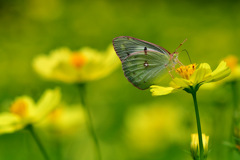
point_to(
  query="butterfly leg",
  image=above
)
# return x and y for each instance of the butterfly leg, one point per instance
(169, 71)
(180, 63)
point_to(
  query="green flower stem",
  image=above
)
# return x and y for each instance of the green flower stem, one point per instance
(82, 89)
(194, 92)
(235, 116)
(235, 94)
(235, 100)
(37, 140)
(58, 149)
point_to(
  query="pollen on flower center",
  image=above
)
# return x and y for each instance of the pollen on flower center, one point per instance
(20, 108)
(186, 71)
(55, 114)
(77, 60)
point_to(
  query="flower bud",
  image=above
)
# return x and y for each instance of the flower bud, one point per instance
(195, 149)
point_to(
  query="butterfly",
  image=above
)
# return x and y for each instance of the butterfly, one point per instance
(144, 63)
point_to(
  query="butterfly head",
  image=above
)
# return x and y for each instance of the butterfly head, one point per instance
(175, 57)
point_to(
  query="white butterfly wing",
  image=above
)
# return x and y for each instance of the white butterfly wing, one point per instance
(125, 45)
(144, 70)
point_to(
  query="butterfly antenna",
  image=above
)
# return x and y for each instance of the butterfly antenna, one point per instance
(188, 55)
(180, 45)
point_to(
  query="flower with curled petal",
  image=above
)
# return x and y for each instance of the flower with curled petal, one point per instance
(192, 78)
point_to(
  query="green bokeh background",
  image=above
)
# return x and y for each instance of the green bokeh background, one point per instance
(31, 27)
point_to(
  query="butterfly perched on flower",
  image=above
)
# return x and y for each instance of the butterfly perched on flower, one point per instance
(143, 62)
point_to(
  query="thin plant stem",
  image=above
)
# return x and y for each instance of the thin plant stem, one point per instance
(38, 142)
(198, 125)
(235, 112)
(82, 89)
(235, 94)
(235, 103)
(58, 149)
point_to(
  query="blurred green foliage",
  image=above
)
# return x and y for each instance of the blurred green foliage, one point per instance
(32, 27)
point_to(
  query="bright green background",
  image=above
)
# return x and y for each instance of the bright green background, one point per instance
(32, 27)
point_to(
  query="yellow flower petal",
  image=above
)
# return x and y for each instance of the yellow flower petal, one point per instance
(46, 66)
(220, 72)
(201, 73)
(180, 83)
(64, 120)
(101, 64)
(158, 90)
(10, 122)
(232, 63)
(235, 74)
(23, 107)
(49, 100)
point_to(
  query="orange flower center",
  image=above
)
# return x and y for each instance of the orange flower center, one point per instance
(232, 62)
(186, 71)
(20, 108)
(55, 114)
(77, 60)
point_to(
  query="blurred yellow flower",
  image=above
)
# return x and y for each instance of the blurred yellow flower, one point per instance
(195, 146)
(64, 120)
(232, 62)
(153, 126)
(81, 66)
(192, 78)
(24, 111)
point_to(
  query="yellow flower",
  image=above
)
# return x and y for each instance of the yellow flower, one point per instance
(150, 127)
(232, 62)
(80, 66)
(64, 120)
(24, 111)
(193, 78)
(195, 151)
